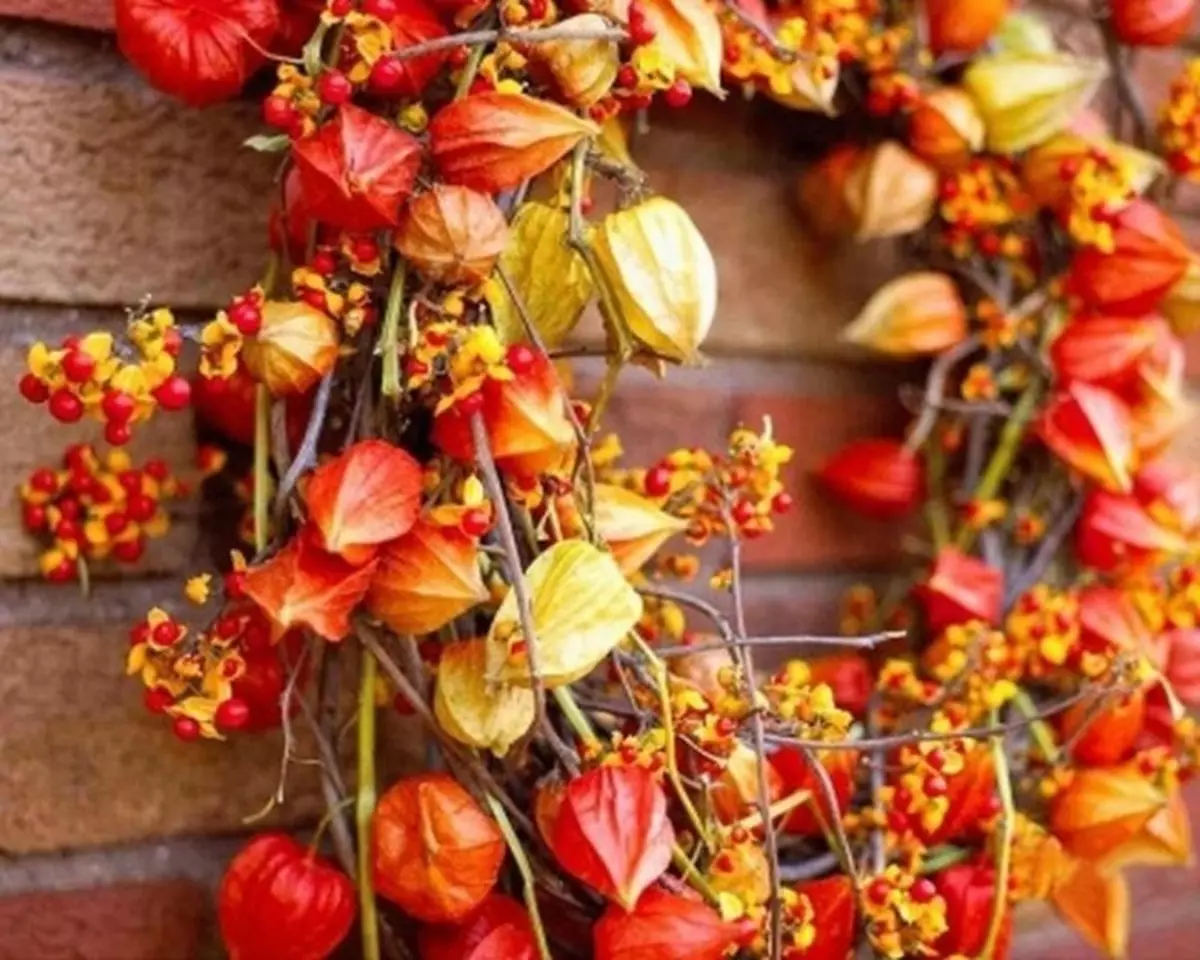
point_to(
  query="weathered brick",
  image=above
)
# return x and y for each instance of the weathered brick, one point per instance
(93, 14)
(153, 921)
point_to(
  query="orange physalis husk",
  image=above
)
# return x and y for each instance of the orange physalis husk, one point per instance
(667, 926)
(1110, 351)
(946, 129)
(499, 929)
(1151, 23)
(472, 709)
(425, 579)
(1109, 732)
(546, 802)
(960, 588)
(612, 832)
(848, 675)
(1170, 492)
(969, 890)
(495, 141)
(1116, 532)
(1181, 306)
(357, 170)
(877, 477)
(821, 189)
(1041, 167)
(889, 192)
(962, 26)
(914, 315)
(295, 347)
(414, 24)
(834, 912)
(526, 422)
(1150, 255)
(583, 69)
(1109, 621)
(735, 794)
(366, 495)
(689, 35)
(632, 526)
(453, 235)
(970, 795)
(1164, 841)
(303, 586)
(1104, 808)
(1183, 664)
(435, 853)
(810, 819)
(1094, 901)
(1089, 429)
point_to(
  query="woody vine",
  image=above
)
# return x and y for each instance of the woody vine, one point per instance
(431, 509)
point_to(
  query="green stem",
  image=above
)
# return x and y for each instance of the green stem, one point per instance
(1038, 728)
(935, 506)
(364, 806)
(470, 71)
(576, 718)
(262, 459)
(389, 337)
(1004, 845)
(692, 875)
(529, 885)
(940, 858)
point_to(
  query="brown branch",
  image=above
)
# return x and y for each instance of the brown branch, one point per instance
(935, 390)
(472, 38)
(869, 642)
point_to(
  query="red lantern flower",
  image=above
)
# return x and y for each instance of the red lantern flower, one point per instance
(961, 588)
(413, 24)
(1089, 429)
(1149, 257)
(1116, 532)
(290, 223)
(297, 21)
(279, 900)
(1105, 735)
(665, 926)
(798, 774)
(261, 686)
(201, 51)
(436, 853)
(970, 796)
(1170, 493)
(498, 930)
(1152, 23)
(227, 406)
(1183, 664)
(1109, 621)
(1111, 352)
(970, 894)
(833, 906)
(879, 478)
(849, 676)
(357, 170)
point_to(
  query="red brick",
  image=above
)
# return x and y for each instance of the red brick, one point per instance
(93, 14)
(818, 533)
(155, 921)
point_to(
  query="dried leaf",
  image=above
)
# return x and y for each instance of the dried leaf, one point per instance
(295, 347)
(913, 315)
(475, 711)
(453, 235)
(632, 526)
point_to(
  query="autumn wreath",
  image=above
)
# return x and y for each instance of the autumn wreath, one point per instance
(609, 775)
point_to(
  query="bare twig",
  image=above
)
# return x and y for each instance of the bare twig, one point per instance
(306, 456)
(869, 642)
(475, 38)
(935, 390)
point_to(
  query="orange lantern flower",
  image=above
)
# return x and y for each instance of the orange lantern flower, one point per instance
(499, 929)
(1109, 621)
(367, 495)
(962, 26)
(1149, 257)
(913, 315)
(877, 477)
(797, 775)
(970, 795)
(295, 347)
(1095, 902)
(946, 129)
(1090, 430)
(453, 235)
(822, 191)
(1104, 735)
(1110, 352)
(1116, 532)
(1152, 23)
(425, 579)
(849, 677)
(666, 926)
(611, 831)
(960, 588)
(735, 793)
(969, 890)
(436, 854)
(1183, 664)
(889, 192)
(357, 170)
(1104, 808)
(834, 911)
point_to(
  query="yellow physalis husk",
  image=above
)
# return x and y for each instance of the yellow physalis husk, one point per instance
(913, 315)
(809, 86)
(1024, 33)
(662, 275)
(474, 711)
(296, 346)
(1026, 99)
(632, 526)
(613, 142)
(582, 608)
(689, 35)
(890, 192)
(585, 69)
(549, 276)
(1182, 304)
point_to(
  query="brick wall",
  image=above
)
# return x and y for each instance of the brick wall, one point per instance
(111, 832)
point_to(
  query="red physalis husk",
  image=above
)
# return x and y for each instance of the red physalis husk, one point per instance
(413, 24)
(1116, 532)
(1109, 621)
(1090, 430)
(970, 797)
(1152, 23)
(262, 684)
(365, 496)
(969, 890)
(289, 222)
(962, 26)
(666, 926)
(877, 477)
(1171, 493)
(1111, 352)
(499, 929)
(453, 235)
(834, 910)
(793, 766)
(960, 588)
(525, 417)
(611, 831)
(1105, 732)
(297, 21)
(496, 141)
(1150, 255)
(1182, 649)
(282, 901)
(425, 579)
(201, 51)
(357, 170)
(305, 586)
(436, 854)
(849, 677)
(227, 405)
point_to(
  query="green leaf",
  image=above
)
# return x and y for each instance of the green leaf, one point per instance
(312, 50)
(265, 143)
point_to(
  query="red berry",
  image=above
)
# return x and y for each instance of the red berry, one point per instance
(475, 523)
(339, 8)
(117, 406)
(129, 551)
(989, 244)
(1068, 169)
(130, 481)
(63, 573)
(383, 9)
(537, 9)
(166, 633)
(679, 94)
(323, 262)
(233, 714)
(627, 77)
(923, 890)
(78, 366)
(782, 503)
(256, 636)
(387, 76)
(34, 517)
(314, 298)
(172, 341)
(158, 699)
(949, 190)
(898, 821)
(157, 469)
(118, 434)
(141, 508)
(44, 480)
(658, 481)
(186, 729)
(366, 250)
(936, 786)
(279, 112)
(878, 890)
(71, 342)
(640, 32)
(520, 359)
(247, 317)
(174, 393)
(139, 633)
(743, 512)
(115, 522)
(69, 508)
(68, 530)
(65, 406)
(458, 57)
(471, 404)
(334, 88)
(33, 390)
(235, 585)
